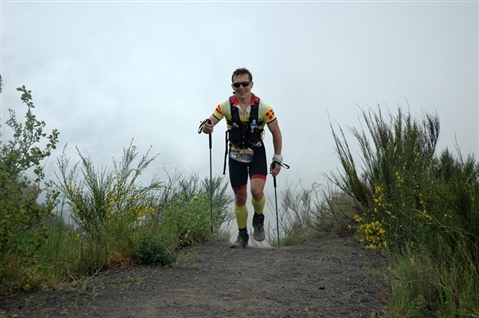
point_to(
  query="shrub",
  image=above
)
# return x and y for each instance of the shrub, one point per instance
(186, 215)
(151, 249)
(106, 205)
(22, 218)
(394, 188)
(121, 220)
(422, 208)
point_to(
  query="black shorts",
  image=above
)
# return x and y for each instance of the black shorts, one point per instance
(257, 168)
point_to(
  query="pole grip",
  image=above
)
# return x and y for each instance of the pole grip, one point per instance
(273, 164)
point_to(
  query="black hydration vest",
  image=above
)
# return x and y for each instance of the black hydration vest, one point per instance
(241, 134)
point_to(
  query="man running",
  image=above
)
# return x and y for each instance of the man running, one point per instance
(246, 116)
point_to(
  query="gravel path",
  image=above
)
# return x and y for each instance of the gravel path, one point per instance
(327, 278)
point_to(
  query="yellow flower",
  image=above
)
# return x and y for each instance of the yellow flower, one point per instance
(195, 197)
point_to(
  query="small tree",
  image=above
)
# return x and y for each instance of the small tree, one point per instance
(22, 218)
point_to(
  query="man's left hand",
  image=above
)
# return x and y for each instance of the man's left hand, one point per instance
(274, 169)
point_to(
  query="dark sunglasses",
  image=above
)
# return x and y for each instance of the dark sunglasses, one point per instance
(245, 84)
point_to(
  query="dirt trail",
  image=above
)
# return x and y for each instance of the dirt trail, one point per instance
(327, 278)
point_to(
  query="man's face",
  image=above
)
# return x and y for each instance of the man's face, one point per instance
(242, 91)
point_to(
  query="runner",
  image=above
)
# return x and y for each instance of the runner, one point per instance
(246, 116)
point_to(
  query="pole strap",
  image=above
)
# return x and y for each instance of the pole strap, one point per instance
(200, 129)
(282, 164)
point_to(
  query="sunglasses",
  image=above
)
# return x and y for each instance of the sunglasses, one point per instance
(244, 84)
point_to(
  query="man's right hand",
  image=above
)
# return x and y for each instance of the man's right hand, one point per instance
(208, 127)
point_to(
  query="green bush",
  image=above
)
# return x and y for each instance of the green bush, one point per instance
(121, 220)
(22, 219)
(106, 205)
(420, 207)
(288, 241)
(116, 219)
(186, 216)
(151, 249)
(394, 187)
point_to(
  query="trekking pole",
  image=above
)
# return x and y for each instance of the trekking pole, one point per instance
(200, 130)
(276, 196)
(276, 205)
(211, 187)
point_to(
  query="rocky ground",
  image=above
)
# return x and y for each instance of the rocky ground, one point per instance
(331, 277)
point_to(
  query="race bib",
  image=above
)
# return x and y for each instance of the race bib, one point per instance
(242, 155)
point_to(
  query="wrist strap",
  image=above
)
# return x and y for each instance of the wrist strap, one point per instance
(282, 164)
(278, 158)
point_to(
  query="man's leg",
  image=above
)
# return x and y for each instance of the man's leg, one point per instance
(238, 179)
(258, 172)
(258, 199)
(241, 214)
(240, 208)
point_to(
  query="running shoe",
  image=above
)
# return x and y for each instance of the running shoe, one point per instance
(258, 225)
(241, 241)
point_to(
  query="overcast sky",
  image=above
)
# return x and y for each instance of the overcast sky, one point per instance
(105, 72)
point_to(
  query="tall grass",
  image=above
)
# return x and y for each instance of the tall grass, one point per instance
(106, 204)
(184, 211)
(309, 213)
(118, 220)
(421, 207)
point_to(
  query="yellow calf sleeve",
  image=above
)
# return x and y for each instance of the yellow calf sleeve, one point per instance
(241, 213)
(258, 204)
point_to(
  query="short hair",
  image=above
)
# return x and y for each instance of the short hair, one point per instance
(241, 71)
